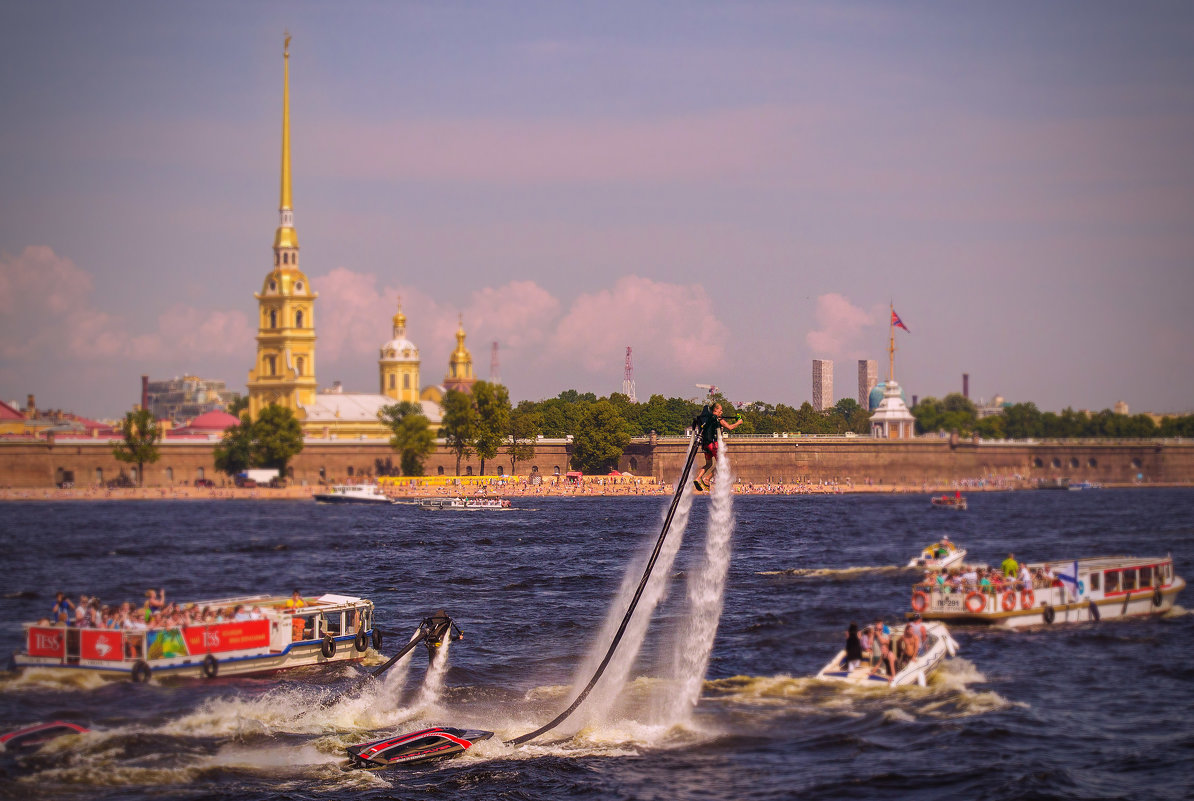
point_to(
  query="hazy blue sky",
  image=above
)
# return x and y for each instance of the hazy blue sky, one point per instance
(732, 189)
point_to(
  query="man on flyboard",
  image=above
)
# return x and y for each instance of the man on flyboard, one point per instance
(708, 424)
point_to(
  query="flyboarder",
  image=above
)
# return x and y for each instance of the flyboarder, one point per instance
(708, 424)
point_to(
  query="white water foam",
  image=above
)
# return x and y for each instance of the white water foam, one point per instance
(433, 684)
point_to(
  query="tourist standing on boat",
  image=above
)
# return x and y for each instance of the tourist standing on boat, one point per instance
(919, 630)
(1010, 567)
(853, 648)
(709, 424)
(60, 611)
(295, 601)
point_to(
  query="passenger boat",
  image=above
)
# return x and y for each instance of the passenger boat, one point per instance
(353, 493)
(1084, 485)
(329, 628)
(955, 501)
(938, 645)
(464, 504)
(1098, 588)
(939, 555)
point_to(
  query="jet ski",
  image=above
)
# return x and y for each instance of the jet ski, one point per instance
(38, 734)
(413, 748)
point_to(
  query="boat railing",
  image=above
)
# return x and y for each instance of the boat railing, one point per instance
(982, 601)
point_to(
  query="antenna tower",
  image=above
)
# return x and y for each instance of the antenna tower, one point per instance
(628, 378)
(495, 375)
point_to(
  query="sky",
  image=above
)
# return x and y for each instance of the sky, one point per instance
(732, 189)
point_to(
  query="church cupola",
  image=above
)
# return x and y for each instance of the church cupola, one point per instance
(398, 365)
(460, 365)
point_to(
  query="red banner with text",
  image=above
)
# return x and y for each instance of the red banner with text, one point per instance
(47, 641)
(227, 636)
(101, 644)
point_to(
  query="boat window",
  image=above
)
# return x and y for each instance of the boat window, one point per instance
(1163, 570)
(1112, 581)
(1094, 580)
(332, 624)
(1146, 577)
(1129, 579)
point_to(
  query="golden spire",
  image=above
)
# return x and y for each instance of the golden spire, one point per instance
(399, 322)
(286, 236)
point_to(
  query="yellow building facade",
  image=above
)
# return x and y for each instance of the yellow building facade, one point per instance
(460, 365)
(399, 363)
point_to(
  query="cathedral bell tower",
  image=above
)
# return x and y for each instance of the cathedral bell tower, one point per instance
(460, 365)
(284, 372)
(399, 363)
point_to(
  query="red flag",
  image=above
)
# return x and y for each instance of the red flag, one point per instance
(897, 322)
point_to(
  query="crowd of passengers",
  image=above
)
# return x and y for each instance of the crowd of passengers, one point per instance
(1011, 575)
(887, 654)
(154, 613)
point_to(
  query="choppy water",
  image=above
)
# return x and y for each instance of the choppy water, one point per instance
(1093, 711)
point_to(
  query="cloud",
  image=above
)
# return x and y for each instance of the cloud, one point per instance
(840, 326)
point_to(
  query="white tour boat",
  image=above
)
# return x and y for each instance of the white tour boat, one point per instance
(939, 555)
(464, 504)
(938, 645)
(353, 493)
(329, 628)
(1085, 589)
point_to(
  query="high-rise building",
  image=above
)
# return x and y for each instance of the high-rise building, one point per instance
(822, 384)
(868, 379)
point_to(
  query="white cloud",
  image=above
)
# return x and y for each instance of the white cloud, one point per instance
(840, 327)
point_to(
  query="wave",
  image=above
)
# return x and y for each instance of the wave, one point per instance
(836, 572)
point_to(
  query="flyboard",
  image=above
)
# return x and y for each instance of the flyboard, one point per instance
(428, 744)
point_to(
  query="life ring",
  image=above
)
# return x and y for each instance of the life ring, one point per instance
(210, 667)
(1027, 599)
(376, 639)
(975, 608)
(361, 641)
(920, 601)
(1009, 601)
(141, 671)
(1158, 597)
(1049, 614)
(328, 646)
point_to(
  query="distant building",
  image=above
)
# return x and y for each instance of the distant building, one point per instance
(188, 397)
(822, 384)
(996, 406)
(1121, 407)
(868, 378)
(892, 420)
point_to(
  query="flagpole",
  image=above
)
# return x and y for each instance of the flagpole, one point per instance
(891, 346)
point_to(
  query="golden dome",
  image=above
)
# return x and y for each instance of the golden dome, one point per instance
(292, 283)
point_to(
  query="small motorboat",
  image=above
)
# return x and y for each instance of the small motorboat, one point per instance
(941, 555)
(413, 748)
(464, 504)
(937, 646)
(37, 734)
(955, 501)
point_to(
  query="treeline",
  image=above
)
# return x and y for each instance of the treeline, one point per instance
(1025, 421)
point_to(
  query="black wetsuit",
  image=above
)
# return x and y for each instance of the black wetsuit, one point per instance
(708, 423)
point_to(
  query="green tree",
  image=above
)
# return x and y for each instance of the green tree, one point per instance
(601, 439)
(411, 436)
(525, 426)
(459, 427)
(493, 419)
(277, 438)
(1022, 421)
(234, 454)
(238, 406)
(140, 434)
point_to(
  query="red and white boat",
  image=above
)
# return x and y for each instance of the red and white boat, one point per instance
(1100, 588)
(329, 628)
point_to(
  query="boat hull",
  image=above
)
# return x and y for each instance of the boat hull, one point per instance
(954, 558)
(940, 646)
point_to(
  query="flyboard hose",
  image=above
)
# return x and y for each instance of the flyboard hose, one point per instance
(613, 646)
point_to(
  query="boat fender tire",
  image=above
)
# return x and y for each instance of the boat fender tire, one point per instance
(920, 601)
(1049, 615)
(141, 671)
(210, 667)
(376, 639)
(328, 646)
(975, 602)
(1027, 599)
(1158, 597)
(361, 641)
(1009, 601)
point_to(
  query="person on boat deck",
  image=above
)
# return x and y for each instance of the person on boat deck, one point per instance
(949, 546)
(853, 648)
(62, 606)
(1025, 577)
(918, 628)
(908, 647)
(1010, 566)
(709, 424)
(881, 648)
(970, 578)
(864, 639)
(1050, 578)
(984, 581)
(296, 601)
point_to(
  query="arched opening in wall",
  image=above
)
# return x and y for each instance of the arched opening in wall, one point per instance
(440, 470)
(406, 381)
(1137, 464)
(133, 475)
(1074, 461)
(633, 464)
(298, 285)
(286, 258)
(1092, 462)
(1038, 462)
(1056, 462)
(271, 364)
(323, 473)
(99, 475)
(555, 471)
(391, 381)
(170, 474)
(501, 470)
(350, 471)
(299, 364)
(298, 319)
(199, 474)
(468, 471)
(273, 318)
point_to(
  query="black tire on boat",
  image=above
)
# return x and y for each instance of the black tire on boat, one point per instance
(328, 647)
(141, 671)
(376, 639)
(210, 667)
(1049, 614)
(361, 641)
(1158, 598)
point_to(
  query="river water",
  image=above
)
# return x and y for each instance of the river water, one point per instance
(1086, 711)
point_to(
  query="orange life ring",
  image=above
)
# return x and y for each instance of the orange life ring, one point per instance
(920, 601)
(1009, 601)
(1027, 599)
(975, 608)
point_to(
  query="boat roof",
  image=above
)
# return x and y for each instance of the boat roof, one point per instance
(1101, 562)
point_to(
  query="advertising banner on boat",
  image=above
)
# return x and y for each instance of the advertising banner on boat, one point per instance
(101, 644)
(47, 641)
(165, 643)
(227, 636)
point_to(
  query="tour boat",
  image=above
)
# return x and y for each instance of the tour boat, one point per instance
(353, 493)
(329, 628)
(932, 556)
(464, 504)
(1084, 485)
(938, 645)
(1098, 588)
(955, 501)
